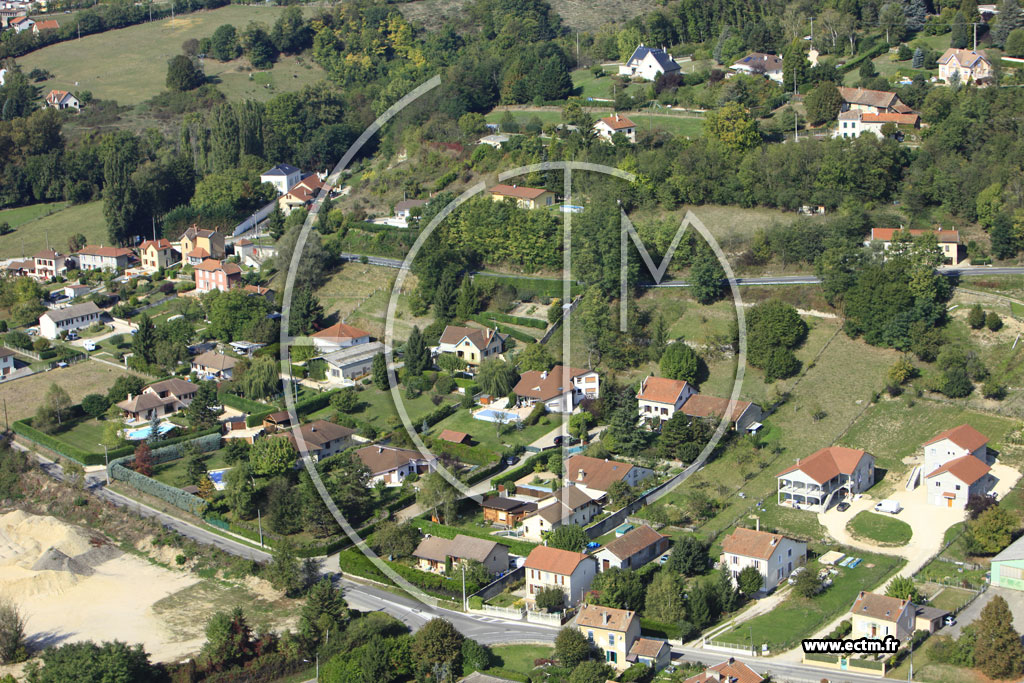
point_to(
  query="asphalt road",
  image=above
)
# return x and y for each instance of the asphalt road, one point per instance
(793, 672)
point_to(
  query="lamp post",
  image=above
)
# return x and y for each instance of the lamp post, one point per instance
(463, 587)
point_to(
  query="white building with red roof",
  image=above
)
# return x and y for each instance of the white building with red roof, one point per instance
(956, 467)
(660, 397)
(339, 336)
(729, 671)
(949, 240)
(616, 123)
(568, 571)
(773, 555)
(559, 389)
(62, 99)
(824, 477)
(91, 257)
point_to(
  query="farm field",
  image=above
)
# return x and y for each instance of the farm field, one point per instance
(37, 227)
(136, 71)
(88, 377)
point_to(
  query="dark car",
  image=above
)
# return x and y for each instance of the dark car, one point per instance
(843, 507)
(558, 440)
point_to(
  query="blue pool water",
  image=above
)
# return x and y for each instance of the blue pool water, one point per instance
(493, 415)
(140, 433)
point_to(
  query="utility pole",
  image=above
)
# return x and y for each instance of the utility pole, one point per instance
(975, 25)
(259, 519)
(463, 587)
(7, 425)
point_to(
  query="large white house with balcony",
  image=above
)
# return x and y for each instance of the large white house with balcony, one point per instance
(559, 389)
(824, 477)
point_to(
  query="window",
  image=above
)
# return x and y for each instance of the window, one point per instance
(590, 636)
(958, 487)
(611, 638)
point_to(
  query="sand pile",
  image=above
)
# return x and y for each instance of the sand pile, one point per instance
(44, 555)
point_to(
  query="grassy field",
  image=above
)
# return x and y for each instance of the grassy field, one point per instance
(587, 85)
(951, 598)
(578, 15)
(172, 472)
(37, 226)
(517, 658)
(882, 529)
(23, 395)
(893, 430)
(796, 618)
(136, 70)
(377, 408)
(485, 434)
(671, 123)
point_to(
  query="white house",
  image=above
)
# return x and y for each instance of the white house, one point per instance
(953, 444)
(433, 553)
(570, 572)
(877, 616)
(393, 465)
(594, 476)
(403, 209)
(159, 399)
(957, 480)
(282, 177)
(745, 415)
(949, 240)
(824, 477)
(104, 258)
(660, 397)
(6, 362)
(346, 365)
(648, 63)
(495, 140)
(215, 365)
(761, 64)
(633, 549)
(472, 344)
(559, 389)
(322, 438)
(616, 123)
(52, 323)
(773, 555)
(62, 99)
(339, 336)
(76, 291)
(569, 505)
(854, 123)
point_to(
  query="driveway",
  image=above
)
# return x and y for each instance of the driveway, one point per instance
(115, 327)
(1015, 599)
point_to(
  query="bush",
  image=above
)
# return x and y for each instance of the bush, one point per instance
(993, 321)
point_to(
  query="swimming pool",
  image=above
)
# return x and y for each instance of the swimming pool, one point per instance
(494, 415)
(140, 433)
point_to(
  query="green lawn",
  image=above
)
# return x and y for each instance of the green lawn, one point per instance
(517, 659)
(882, 529)
(172, 472)
(36, 227)
(951, 599)
(587, 86)
(137, 69)
(377, 408)
(86, 435)
(659, 120)
(503, 600)
(485, 434)
(797, 618)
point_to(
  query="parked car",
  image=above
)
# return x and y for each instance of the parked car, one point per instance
(558, 440)
(89, 345)
(663, 559)
(72, 336)
(843, 507)
(950, 620)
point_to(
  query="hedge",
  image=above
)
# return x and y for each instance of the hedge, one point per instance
(246, 405)
(25, 429)
(505, 329)
(353, 561)
(516, 319)
(169, 494)
(525, 468)
(481, 473)
(880, 48)
(516, 547)
(441, 413)
(522, 285)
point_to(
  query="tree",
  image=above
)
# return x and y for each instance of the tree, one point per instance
(1010, 18)
(823, 103)
(241, 496)
(915, 12)
(56, 402)
(229, 640)
(111, 662)
(580, 424)
(976, 317)
(680, 362)
(475, 657)
(993, 322)
(706, 276)
(144, 340)
(224, 43)
(689, 556)
(773, 330)
(417, 355)
(182, 74)
(346, 400)
(794, 66)
(618, 588)
(534, 357)
(257, 378)
(733, 126)
(258, 46)
(468, 301)
(892, 20)
(1015, 42)
(496, 377)
(12, 633)
(901, 371)
(619, 493)
(568, 537)
(305, 313)
(272, 456)
(807, 584)
(437, 651)
(76, 242)
(591, 671)
(750, 580)
(143, 463)
(195, 470)
(380, 372)
(124, 386)
(990, 532)
(438, 496)
(571, 647)
(291, 33)
(917, 61)
(550, 599)
(664, 600)
(200, 411)
(997, 650)
(325, 610)
(396, 540)
(284, 571)
(960, 35)
(1002, 238)
(904, 588)
(275, 222)
(701, 610)
(95, 405)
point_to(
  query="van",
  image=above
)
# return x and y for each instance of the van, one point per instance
(89, 345)
(889, 506)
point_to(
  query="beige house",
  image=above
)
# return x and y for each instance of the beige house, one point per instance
(217, 365)
(633, 549)
(157, 254)
(570, 572)
(773, 555)
(660, 397)
(569, 505)
(612, 631)
(854, 123)
(393, 465)
(49, 264)
(158, 400)
(594, 475)
(824, 477)
(872, 101)
(524, 197)
(433, 552)
(968, 65)
(949, 240)
(472, 344)
(616, 123)
(322, 439)
(744, 416)
(197, 244)
(877, 616)
(550, 388)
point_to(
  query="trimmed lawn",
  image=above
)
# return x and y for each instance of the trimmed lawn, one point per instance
(518, 658)
(55, 224)
(503, 600)
(86, 435)
(171, 473)
(951, 599)
(136, 71)
(377, 408)
(882, 529)
(485, 434)
(797, 618)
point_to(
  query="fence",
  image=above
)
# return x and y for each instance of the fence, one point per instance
(512, 613)
(558, 322)
(732, 648)
(550, 618)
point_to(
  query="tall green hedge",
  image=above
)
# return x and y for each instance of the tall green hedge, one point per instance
(169, 494)
(505, 329)
(515, 319)
(25, 429)
(246, 405)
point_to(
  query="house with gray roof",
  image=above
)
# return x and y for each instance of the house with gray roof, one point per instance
(648, 63)
(53, 323)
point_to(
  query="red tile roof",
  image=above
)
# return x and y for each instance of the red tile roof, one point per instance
(480, 338)
(547, 385)
(634, 541)
(730, 671)
(887, 234)
(48, 25)
(750, 543)
(890, 117)
(605, 617)
(878, 606)
(159, 245)
(618, 122)
(967, 469)
(596, 473)
(965, 436)
(661, 389)
(871, 98)
(107, 252)
(702, 405)
(340, 331)
(547, 559)
(517, 191)
(453, 436)
(827, 463)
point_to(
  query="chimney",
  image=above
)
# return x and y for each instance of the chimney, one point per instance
(605, 618)
(379, 449)
(544, 375)
(757, 523)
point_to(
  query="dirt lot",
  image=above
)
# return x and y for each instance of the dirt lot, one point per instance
(24, 395)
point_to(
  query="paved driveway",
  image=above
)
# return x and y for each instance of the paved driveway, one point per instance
(113, 328)
(1015, 599)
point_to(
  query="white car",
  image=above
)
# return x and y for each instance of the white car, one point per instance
(89, 345)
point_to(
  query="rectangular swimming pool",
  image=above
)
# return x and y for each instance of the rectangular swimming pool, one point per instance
(494, 415)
